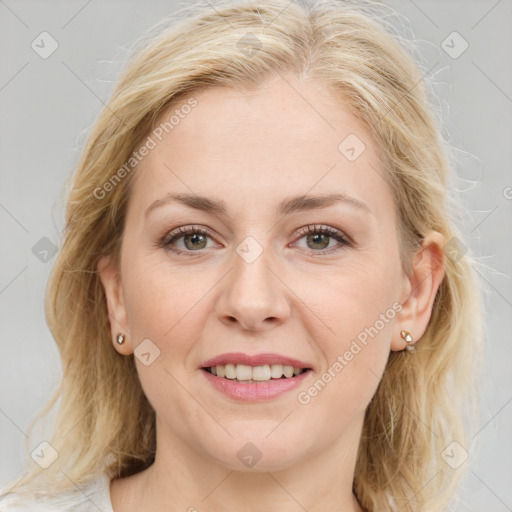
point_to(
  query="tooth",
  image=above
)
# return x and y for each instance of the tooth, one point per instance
(230, 371)
(243, 372)
(261, 372)
(276, 371)
(246, 373)
(288, 371)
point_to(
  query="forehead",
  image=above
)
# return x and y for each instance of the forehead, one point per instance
(282, 138)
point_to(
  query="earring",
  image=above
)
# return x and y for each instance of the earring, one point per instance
(407, 336)
(120, 339)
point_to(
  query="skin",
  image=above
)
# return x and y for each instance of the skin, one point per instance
(252, 150)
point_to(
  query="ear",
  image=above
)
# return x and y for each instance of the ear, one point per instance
(111, 280)
(419, 290)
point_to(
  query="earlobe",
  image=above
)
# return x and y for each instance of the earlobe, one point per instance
(112, 286)
(422, 287)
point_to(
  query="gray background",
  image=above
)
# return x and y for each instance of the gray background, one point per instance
(48, 105)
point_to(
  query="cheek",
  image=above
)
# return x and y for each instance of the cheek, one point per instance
(357, 309)
(161, 300)
(348, 299)
(169, 308)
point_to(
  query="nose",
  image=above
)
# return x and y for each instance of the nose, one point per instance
(253, 295)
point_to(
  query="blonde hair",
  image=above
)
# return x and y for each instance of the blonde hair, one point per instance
(425, 400)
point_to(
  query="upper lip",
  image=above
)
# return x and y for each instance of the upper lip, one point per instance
(254, 360)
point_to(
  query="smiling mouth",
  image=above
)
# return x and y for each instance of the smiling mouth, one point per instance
(255, 374)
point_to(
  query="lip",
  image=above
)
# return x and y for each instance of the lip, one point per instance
(254, 391)
(254, 360)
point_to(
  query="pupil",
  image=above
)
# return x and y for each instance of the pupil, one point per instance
(318, 239)
(195, 238)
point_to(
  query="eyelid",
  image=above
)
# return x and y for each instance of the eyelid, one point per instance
(320, 228)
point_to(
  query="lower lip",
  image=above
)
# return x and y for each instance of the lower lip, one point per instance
(252, 391)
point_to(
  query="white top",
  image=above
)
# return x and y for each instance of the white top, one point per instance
(94, 497)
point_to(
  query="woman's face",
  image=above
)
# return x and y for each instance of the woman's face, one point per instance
(273, 269)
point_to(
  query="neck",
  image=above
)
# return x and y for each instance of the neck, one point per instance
(182, 479)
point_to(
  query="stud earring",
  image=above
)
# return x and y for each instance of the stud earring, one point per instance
(407, 336)
(120, 339)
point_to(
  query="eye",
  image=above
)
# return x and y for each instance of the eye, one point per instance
(194, 239)
(319, 238)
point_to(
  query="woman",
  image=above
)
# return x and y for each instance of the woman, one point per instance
(259, 301)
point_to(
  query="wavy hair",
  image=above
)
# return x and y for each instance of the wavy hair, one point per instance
(104, 422)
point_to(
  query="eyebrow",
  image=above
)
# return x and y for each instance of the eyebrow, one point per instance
(286, 207)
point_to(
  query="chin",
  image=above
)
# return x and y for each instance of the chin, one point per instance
(259, 454)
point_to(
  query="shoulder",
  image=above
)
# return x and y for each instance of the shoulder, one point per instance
(92, 496)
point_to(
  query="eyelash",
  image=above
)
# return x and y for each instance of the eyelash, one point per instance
(337, 235)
